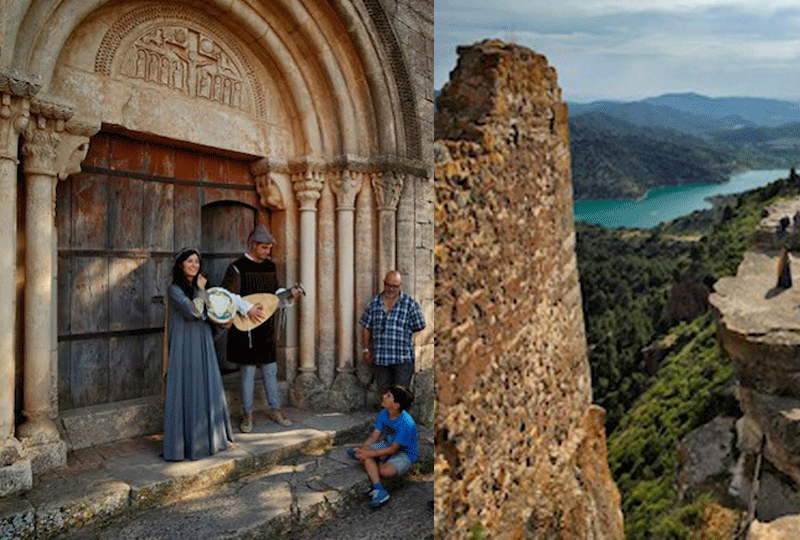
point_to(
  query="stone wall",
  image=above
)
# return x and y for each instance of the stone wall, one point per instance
(408, 41)
(520, 449)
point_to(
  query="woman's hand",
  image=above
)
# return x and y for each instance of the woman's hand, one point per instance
(201, 281)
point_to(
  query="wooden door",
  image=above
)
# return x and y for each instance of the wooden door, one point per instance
(120, 222)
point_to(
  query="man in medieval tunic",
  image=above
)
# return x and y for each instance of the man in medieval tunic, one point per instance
(253, 273)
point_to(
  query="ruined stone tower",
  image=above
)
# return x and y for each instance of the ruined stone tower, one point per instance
(521, 451)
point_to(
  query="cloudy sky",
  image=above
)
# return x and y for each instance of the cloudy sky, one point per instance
(630, 49)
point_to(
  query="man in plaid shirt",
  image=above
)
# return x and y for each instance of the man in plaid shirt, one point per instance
(388, 325)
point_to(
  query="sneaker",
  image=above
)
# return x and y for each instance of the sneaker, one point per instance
(351, 453)
(277, 417)
(377, 497)
(246, 425)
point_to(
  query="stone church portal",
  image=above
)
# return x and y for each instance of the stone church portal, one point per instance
(130, 129)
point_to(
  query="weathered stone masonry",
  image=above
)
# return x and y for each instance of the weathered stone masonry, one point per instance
(520, 449)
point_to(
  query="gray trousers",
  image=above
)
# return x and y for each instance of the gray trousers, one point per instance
(386, 376)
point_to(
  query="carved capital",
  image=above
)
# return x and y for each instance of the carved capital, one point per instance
(40, 150)
(55, 147)
(388, 186)
(346, 185)
(308, 186)
(16, 83)
(14, 118)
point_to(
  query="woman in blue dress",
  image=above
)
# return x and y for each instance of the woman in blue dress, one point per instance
(196, 419)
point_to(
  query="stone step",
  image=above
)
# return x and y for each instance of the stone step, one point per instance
(288, 501)
(129, 477)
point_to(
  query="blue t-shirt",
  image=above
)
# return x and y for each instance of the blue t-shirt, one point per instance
(402, 430)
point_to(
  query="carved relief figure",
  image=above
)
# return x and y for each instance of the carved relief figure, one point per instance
(187, 61)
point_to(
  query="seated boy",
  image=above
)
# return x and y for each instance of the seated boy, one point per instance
(393, 455)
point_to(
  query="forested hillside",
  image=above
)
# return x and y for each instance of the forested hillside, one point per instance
(620, 150)
(626, 278)
(614, 159)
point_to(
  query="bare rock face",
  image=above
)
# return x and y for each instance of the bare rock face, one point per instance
(786, 528)
(520, 450)
(759, 327)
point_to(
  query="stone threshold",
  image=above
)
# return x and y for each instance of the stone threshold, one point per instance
(126, 477)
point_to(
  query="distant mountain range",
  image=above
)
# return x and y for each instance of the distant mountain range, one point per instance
(696, 114)
(622, 149)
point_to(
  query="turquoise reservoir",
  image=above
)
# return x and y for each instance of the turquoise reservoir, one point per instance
(665, 204)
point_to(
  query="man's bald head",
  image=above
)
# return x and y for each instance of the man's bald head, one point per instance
(392, 284)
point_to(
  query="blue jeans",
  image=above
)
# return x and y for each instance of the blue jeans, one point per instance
(269, 374)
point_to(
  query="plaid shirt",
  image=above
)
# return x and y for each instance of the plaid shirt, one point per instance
(391, 333)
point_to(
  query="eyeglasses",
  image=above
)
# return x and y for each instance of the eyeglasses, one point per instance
(392, 285)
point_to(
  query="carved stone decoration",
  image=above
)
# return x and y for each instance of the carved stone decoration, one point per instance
(14, 119)
(388, 186)
(40, 150)
(346, 186)
(54, 146)
(74, 146)
(184, 50)
(307, 187)
(268, 192)
(53, 108)
(187, 61)
(16, 83)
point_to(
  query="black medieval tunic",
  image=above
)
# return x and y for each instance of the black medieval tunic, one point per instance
(245, 276)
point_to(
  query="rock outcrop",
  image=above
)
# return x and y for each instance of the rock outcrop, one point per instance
(520, 449)
(759, 327)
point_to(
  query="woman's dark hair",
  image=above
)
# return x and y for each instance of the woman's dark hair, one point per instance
(179, 278)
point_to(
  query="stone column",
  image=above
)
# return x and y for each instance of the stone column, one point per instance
(346, 187)
(49, 153)
(268, 175)
(388, 186)
(364, 265)
(40, 154)
(326, 287)
(406, 231)
(16, 90)
(307, 186)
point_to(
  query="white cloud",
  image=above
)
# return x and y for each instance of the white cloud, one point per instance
(620, 48)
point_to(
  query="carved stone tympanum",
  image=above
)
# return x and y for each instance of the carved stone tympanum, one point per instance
(187, 61)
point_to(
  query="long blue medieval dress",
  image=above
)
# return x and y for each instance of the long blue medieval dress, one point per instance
(196, 419)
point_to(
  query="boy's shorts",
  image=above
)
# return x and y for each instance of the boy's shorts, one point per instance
(399, 460)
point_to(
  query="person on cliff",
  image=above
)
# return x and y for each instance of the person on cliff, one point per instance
(387, 329)
(391, 448)
(252, 273)
(784, 271)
